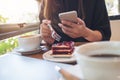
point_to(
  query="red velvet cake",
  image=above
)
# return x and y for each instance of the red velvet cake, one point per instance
(64, 49)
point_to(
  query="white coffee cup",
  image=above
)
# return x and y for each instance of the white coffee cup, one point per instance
(99, 60)
(29, 42)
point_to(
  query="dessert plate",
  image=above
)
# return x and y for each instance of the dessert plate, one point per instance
(23, 51)
(62, 56)
(48, 56)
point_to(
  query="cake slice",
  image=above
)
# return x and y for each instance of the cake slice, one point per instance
(63, 49)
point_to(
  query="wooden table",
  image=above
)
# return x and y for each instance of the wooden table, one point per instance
(29, 67)
(47, 48)
(39, 54)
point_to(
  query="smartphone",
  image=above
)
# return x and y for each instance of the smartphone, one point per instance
(69, 16)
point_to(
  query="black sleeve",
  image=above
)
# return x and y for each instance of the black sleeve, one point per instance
(101, 20)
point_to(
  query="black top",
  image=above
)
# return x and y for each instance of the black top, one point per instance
(96, 18)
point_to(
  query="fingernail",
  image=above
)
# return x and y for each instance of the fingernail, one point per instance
(49, 21)
(62, 21)
(60, 24)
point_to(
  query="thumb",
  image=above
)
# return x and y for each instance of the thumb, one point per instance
(45, 21)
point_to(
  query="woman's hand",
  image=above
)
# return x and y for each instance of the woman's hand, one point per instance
(73, 30)
(46, 32)
(79, 29)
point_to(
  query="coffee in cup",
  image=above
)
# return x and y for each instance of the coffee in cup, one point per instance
(99, 60)
(29, 42)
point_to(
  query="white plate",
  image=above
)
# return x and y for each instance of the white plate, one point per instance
(23, 51)
(75, 70)
(48, 56)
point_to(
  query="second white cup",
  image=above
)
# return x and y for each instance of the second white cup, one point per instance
(29, 42)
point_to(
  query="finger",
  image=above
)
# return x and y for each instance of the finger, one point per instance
(45, 21)
(45, 32)
(68, 23)
(49, 40)
(65, 28)
(45, 37)
(70, 34)
(45, 27)
(80, 21)
(68, 31)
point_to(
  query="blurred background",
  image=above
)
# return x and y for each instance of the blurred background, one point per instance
(26, 11)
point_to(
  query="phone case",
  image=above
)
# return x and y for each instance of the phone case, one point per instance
(70, 16)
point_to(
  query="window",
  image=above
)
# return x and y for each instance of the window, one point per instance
(21, 16)
(26, 11)
(18, 16)
(17, 11)
(113, 7)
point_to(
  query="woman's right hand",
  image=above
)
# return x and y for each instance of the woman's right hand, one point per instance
(46, 32)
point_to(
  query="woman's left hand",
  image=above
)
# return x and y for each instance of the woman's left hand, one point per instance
(74, 30)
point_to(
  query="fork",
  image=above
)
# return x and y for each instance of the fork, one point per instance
(54, 35)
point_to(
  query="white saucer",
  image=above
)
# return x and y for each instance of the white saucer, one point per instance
(75, 70)
(18, 49)
(48, 56)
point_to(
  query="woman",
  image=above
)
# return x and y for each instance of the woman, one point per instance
(93, 23)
